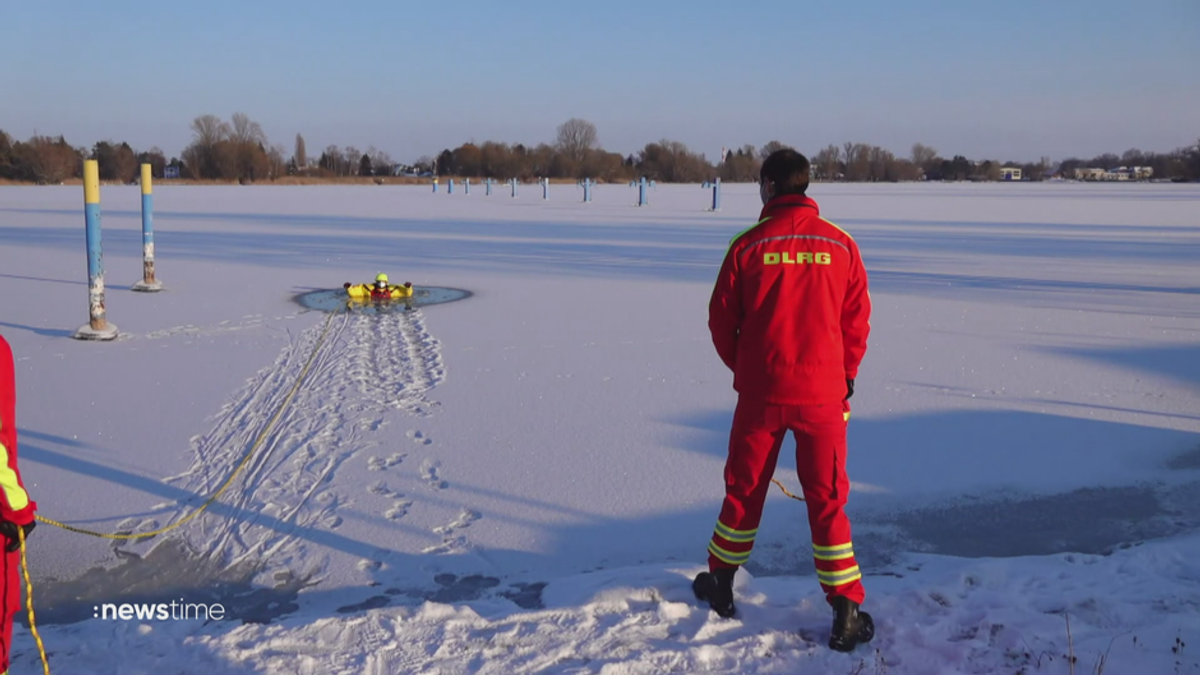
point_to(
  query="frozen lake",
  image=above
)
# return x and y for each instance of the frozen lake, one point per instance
(1031, 388)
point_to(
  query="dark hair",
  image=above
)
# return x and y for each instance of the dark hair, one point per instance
(787, 170)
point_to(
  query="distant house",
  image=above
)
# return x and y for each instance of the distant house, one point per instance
(1121, 173)
(171, 172)
(1131, 173)
(1010, 173)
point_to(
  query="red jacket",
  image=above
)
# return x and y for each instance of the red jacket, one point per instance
(15, 505)
(790, 312)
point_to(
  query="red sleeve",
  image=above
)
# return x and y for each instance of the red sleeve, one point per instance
(15, 505)
(856, 315)
(725, 309)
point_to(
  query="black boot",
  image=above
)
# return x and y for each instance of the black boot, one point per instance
(850, 626)
(717, 588)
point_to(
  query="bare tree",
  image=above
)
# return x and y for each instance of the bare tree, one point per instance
(741, 166)
(246, 131)
(923, 155)
(331, 160)
(49, 161)
(277, 165)
(425, 163)
(771, 147)
(202, 157)
(826, 165)
(381, 161)
(576, 137)
(300, 155)
(351, 157)
(857, 157)
(672, 162)
(209, 130)
(881, 162)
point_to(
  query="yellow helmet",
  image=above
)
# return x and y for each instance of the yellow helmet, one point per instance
(381, 277)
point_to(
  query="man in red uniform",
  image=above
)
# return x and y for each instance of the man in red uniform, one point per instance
(790, 316)
(16, 509)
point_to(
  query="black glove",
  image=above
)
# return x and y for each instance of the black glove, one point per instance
(849, 388)
(9, 530)
(346, 285)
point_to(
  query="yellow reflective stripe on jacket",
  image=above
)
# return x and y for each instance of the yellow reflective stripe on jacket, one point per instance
(840, 577)
(835, 226)
(737, 536)
(739, 234)
(734, 240)
(728, 556)
(14, 494)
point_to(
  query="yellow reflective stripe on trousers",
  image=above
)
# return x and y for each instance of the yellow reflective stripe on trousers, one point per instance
(833, 555)
(14, 494)
(737, 536)
(840, 577)
(728, 556)
(836, 547)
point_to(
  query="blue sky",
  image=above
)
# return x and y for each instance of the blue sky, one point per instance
(1008, 80)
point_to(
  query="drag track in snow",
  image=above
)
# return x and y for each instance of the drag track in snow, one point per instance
(367, 366)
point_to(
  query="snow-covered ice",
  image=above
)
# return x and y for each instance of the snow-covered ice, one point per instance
(525, 480)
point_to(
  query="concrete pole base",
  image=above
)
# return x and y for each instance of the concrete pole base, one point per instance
(86, 332)
(143, 287)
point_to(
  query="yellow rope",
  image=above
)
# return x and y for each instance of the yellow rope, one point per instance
(29, 602)
(253, 448)
(785, 490)
(228, 481)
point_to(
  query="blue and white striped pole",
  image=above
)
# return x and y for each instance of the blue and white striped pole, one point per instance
(98, 327)
(488, 185)
(148, 283)
(545, 188)
(450, 186)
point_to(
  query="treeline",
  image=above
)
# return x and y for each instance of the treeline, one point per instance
(1182, 163)
(238, 150)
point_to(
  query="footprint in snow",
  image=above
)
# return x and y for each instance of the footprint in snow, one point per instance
(430, 473)
(399, 509)
(463, 520)
(380, 464)
(419, 438)
(371, 424)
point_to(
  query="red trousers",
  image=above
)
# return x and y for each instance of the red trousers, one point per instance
(10, 601)
(754, 442)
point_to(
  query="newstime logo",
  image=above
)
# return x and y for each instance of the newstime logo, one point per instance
(161, 611)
